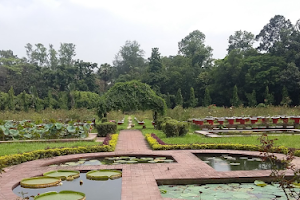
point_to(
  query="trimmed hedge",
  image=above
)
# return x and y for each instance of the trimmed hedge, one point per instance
(106, 128)
(155, 145)
(174, 128)
(40, 154)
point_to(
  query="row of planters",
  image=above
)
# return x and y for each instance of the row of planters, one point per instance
(27, 130)
(172, 127)
(250, 121)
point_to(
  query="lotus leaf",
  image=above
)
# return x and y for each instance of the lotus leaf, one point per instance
(40, 182)
(65, 195)
(58, 126)
(260, 183)
(63, 174)
(71, 129)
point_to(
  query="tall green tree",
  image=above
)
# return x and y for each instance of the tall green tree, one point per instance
(252, 99)
(241, 40)
(66, 53)
(193, 100)
(207, 99)
(269, 98)
(270, 35)
(129, 61)
(193, 47)
(179, 98)
(106, 73)
(11, 99)
(285, 101)
(235, 101)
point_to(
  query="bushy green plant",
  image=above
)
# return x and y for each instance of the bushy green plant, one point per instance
(104, 119)
(160, 121)
(183, 128)
(170, 128)
(106, 128)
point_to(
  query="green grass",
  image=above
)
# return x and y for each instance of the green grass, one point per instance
(124, 125)
(18, 147)
(291, 141)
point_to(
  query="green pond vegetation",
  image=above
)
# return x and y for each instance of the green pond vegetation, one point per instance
(256, 190)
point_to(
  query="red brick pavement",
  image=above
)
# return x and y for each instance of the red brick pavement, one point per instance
(139, 180)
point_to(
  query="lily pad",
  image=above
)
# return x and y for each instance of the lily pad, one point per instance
(235, 164)
(260, 183)
(131, 161)
(62, 174)
(161, 158)
(65, 195)
(72, 163)
(40, 182)
(168, 161)
(103, 174)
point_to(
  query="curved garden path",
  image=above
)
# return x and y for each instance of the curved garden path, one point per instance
(139, 180)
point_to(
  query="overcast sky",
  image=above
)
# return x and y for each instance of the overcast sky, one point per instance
(99, 28)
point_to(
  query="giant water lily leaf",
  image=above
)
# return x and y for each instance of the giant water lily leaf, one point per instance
(260, 183)
(103, 174)
(40, 182)
(63, 174)
(65, 195)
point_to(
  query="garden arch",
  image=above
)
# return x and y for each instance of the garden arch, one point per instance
(131, 96)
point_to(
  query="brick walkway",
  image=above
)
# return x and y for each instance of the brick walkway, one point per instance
(139, 180)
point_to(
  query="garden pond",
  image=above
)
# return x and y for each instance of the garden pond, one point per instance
(106, 188)
(116, 160)
(234, 162)
(223, 191)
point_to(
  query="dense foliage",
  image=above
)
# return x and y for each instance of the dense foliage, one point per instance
(27, 130)
(130, 96)
(247, 75)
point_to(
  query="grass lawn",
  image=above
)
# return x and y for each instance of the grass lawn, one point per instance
(14, 148)
(292, 141)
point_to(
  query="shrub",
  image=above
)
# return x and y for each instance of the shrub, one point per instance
(106, 128)
(183, 128)
(104, 119)
(159, 122)
(170, 128)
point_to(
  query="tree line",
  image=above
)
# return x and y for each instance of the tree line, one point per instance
(249, 75)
